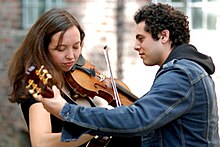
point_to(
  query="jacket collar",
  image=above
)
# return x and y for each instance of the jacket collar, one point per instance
(188, 51)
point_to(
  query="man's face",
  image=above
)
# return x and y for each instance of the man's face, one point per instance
(150, 50)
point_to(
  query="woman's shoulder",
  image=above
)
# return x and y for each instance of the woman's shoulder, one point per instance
(25, 105)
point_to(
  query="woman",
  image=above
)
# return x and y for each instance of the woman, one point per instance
(55, 41)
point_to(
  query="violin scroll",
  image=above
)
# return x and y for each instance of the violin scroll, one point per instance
(37, 82)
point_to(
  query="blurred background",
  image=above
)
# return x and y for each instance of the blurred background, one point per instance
(106, 22)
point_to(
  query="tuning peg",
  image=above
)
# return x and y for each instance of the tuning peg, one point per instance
(48, 76)
(30, 82)
(39, 70)
(35, 95)
(44, 72)
(31, 91)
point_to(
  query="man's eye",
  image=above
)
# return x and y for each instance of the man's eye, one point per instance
(141, 39)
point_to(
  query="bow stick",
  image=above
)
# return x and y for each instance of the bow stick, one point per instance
(118, 101)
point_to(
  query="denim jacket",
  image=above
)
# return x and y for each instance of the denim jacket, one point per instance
(180, 110)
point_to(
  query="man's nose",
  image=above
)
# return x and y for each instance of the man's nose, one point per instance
(137, 47)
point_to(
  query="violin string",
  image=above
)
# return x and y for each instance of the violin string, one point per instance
(118, 102)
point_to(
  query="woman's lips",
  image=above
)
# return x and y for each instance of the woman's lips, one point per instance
(69, 64)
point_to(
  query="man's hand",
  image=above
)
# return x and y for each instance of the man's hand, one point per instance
(53, 105)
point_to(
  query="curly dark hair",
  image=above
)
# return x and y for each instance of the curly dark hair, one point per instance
(158, 17)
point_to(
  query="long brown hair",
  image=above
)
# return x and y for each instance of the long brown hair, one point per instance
(34, 50)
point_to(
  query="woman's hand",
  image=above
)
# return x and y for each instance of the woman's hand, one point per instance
(100, 102)
(53, 105)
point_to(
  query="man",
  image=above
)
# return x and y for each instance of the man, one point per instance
(181, 107)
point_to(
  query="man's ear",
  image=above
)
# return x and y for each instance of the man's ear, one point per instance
(164, 35)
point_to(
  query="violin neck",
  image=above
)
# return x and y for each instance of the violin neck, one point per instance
(126, 92)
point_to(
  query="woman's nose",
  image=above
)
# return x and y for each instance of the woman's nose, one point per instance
(70, 54)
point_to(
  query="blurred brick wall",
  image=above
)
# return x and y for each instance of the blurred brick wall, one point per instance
(12, 128)
(100, 27)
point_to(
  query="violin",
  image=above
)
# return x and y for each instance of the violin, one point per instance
(87, 81)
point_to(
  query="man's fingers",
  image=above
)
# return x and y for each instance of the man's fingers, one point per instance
(56, 91)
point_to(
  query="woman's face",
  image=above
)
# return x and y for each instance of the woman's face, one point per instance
(67, 53)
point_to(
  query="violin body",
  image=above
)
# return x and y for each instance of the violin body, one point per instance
(87, 81)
